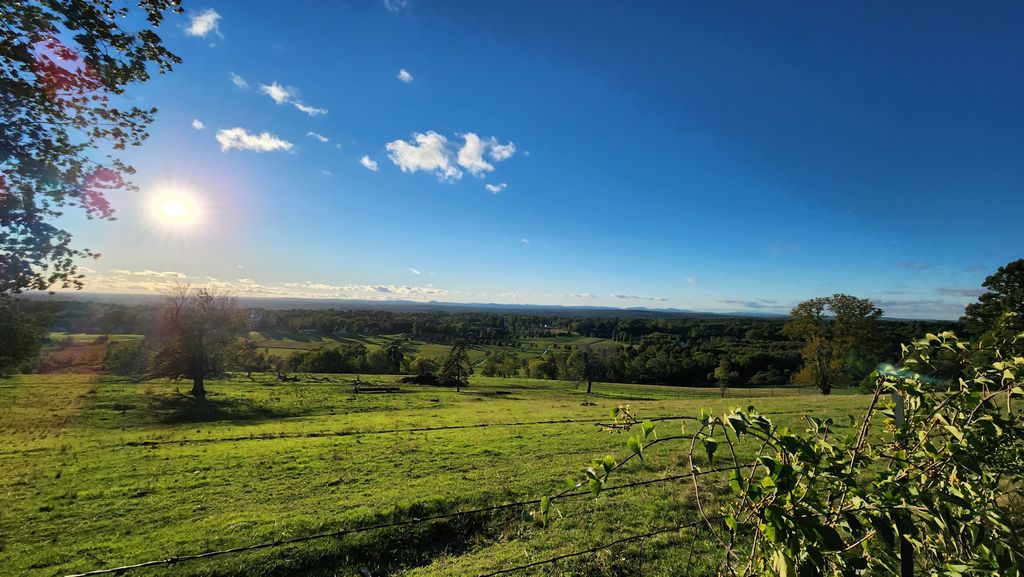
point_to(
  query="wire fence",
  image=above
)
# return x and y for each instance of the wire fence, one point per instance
(174, 560)
(632, 538)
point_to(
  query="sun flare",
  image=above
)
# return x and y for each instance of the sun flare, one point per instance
(174, 207)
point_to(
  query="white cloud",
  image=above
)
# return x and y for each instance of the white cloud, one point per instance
(428, 152)
(197, 124)
(524, 240)
(286, 95)
(691, 280)
(496, 188)
(404, 76)
(148, 273)
(310, 110)
(276, 92)
(396, 5)
(203, 23)
(326, 173)
(582, 296)
(317, 136)
(238, 81)
(501, 152)
(414, 271)
(369, 162)
(471, 155)
(242, 139)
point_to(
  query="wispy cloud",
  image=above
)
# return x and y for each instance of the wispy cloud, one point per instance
(751, 304)
(582, 296)
(310, 110)
(238, 81)
(396, 5)
(369, 163)
(428, 151)
(691, 280)
(287, 95)
(150, 274)
(496, 188)
(317, 136)
(203, 23)
(911, 265)
(524, 240)
(241, 139)
(326, 172)
(960, 292)
(414, 271)
(623, 297)
(197, 124)
(921, 308)
(405, 76)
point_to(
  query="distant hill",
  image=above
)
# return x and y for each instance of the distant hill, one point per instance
(414, 306)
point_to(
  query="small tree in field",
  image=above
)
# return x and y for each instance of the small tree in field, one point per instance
(725, 375)
(834, 329)
(195, 335)
(456, 368)
(582, 366)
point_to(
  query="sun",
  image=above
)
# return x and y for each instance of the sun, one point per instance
(174, 206)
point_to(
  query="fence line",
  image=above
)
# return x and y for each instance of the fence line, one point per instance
(413, 521)
(597, 548)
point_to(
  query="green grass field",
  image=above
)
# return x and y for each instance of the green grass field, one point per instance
(97, 473)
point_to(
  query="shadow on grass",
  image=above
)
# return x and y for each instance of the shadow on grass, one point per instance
(377, 553)
(170, 408)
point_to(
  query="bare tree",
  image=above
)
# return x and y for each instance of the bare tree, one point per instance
(195, 333)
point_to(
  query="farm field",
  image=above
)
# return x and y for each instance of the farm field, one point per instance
(97, 473)
(287, 344)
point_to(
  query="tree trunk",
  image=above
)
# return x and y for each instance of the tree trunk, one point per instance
(589, 383)
(198, 390)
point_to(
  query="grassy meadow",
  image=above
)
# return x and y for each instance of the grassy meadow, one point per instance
(97, 472)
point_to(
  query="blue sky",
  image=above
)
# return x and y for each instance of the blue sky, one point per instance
(720, 157)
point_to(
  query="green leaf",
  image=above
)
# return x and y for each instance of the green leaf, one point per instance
(646, 427)
(608, 463)
(831, 539)
(710, 445)
(545, 504)
(634, 445)
(737, 423)
(783, 565)
(705, 416)
(730, 522)
(595, 486)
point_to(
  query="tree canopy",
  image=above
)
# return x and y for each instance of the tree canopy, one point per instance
(1005, 294)
(836, 330)
(63, 66)
(195, 335)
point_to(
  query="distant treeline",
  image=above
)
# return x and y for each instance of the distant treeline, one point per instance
(681, 351)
